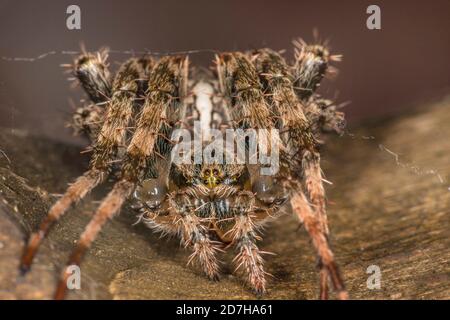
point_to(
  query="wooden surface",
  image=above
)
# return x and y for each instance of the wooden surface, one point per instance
(383, 212)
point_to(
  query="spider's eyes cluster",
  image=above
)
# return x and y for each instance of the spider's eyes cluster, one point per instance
(211, 177)
(214, 172)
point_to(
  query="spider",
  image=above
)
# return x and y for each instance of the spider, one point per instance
(210, 206)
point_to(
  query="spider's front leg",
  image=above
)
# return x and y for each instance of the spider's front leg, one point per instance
(311, 65)
(195, 234)
(319, 238)
(118, 98)
(244, 236)
(312, 62)
(176, 214)
(164, 99)
(247, 106)
(302, 159)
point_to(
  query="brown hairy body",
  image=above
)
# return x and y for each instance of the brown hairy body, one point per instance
(210, 206)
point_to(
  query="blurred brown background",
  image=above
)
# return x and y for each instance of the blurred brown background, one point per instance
(398, 67)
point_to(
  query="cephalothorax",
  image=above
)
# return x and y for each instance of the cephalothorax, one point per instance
(211, 206)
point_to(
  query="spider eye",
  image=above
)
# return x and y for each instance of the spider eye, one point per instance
(151, 192)
(215, 172)
(268, 192)
(207, 172)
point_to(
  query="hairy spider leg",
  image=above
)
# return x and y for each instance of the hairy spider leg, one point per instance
(311, 65)
(119, 111)
(299, 138)
(313, 226)
(247, 107)
(180, 218)
(165, 86)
